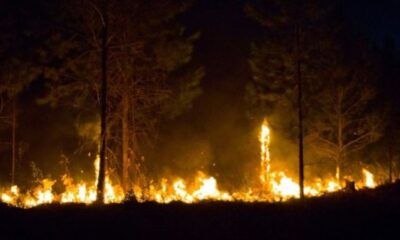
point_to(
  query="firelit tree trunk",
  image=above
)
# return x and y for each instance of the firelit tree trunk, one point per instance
(103, 145)
(14, 145)
(340, 133)
(391, 168)
(299, 100)
(300, 117)
(125, 142)
(390, 161)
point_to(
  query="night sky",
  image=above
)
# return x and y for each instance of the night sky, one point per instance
(379, 19)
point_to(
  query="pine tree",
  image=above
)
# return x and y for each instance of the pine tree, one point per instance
(17, 68)
(343, 120)
(337, 76)
(148, 51)
(284, 65)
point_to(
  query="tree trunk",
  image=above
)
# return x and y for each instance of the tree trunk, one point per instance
(390, 158)
(125, 143)
(300, 116)
(339, 133)
(13, 143)
(103, 145)
(299, 102)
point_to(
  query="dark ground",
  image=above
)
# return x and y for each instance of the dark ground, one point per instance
(367, 214)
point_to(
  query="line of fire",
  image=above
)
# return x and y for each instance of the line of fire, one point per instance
(252, 101)
(274, 185)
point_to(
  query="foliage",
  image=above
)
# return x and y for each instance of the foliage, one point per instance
(273, 90)
(148, 55)
(338, 78)
(342, 120)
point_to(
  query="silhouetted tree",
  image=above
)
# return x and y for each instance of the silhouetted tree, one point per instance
(17, 67)
(342, 119)
(307, 46)
(147, 54)
(283, 65)
(387, 148)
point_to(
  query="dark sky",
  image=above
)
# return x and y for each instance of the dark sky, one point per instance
(378, 18)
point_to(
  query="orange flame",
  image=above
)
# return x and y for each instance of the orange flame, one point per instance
(276, 186)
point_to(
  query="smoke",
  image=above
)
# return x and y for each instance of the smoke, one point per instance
(89, 129)
(178, 154)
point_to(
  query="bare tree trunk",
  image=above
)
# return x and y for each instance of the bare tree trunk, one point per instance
(103, 145)
(300, 103)
(390, 158)
(300, 116)
(339, 133)
(134, 147)
(125, 142)
(14, 145)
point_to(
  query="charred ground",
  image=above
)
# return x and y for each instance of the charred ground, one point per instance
(366, 214)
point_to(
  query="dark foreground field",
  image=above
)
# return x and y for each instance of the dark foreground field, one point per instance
(367, 214)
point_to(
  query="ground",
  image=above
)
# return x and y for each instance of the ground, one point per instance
(366, 214)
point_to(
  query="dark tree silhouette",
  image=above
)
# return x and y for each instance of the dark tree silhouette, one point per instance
(147, 77)
(283, 65)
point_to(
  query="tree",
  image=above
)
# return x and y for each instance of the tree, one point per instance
(147, 54)
(386, 149)
(284, 65)
(17, 69)
(104, 78)
(8, 100)
(141, 80)
(342, 120)
(337, 74)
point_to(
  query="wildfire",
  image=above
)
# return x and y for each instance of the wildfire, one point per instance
(275, 186)
(10, 197)
(283, 186)
(368, 179)
(203, 188)
(265, 156)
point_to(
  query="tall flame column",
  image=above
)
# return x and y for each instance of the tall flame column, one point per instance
(265, 156)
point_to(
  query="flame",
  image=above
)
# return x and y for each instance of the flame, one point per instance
(208, 190)
(275, 186)
(283, 187)
(11, 195)
(368, 179)
(84, 193)
(202, 188)
(265, 156)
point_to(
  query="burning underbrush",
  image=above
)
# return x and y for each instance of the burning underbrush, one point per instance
(273, 185)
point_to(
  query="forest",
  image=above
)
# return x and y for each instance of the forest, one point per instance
(254, 101)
